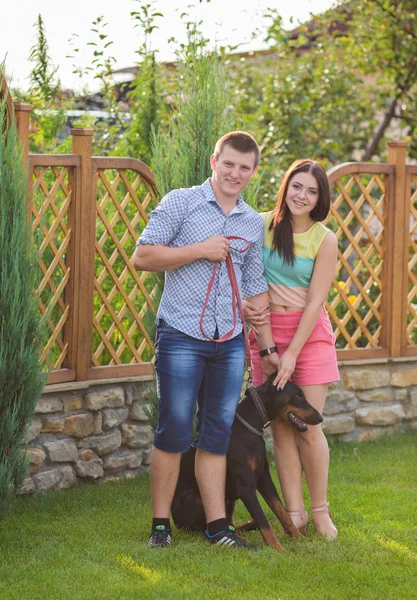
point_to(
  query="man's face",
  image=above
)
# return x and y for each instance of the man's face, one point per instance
(232, 171)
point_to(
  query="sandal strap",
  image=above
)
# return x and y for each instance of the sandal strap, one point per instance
(296, 513)
(321, 508)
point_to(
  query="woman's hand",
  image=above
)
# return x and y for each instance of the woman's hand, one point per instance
(254, 315)
(270, 364)
(287, 366)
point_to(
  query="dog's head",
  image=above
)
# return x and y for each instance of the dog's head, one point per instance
(289, 405)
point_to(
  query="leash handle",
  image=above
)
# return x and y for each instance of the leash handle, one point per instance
(235, 298)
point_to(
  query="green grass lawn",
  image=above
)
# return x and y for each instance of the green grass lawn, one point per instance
(90, 542)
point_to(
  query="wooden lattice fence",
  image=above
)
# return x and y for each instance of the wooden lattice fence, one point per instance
(411, 271)
(88, 211)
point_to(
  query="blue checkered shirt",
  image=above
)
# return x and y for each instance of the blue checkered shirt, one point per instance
(191, 215)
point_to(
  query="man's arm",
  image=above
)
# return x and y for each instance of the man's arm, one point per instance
(154, 251)
(150, 257)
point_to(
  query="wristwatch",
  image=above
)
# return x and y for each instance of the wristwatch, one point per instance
(268, 351)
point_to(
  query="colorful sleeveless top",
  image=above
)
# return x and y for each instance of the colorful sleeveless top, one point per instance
(288, 284)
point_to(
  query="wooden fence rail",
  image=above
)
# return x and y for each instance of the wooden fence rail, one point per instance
(88, 211)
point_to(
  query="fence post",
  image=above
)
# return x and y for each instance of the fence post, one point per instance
(82, 142)
(396, 239)
(22, 112)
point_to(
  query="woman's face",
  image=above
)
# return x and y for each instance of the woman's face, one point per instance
(302, 194)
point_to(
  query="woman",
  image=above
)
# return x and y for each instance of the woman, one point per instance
(300, 256)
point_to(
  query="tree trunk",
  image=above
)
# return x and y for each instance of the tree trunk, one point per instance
(371, 150)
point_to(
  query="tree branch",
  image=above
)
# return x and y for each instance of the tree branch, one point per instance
(370, 151)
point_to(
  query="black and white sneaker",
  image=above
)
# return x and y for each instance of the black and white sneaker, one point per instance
(160, 537)
(229, 539)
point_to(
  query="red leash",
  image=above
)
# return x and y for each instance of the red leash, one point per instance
(235, 297)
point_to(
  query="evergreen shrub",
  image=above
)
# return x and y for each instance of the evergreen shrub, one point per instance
(21, 376)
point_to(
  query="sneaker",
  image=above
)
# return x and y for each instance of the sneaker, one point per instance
(229, 538)
(160, 537)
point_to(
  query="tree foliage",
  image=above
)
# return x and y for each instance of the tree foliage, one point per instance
(181, 158)
(334, 88)
(45, 95)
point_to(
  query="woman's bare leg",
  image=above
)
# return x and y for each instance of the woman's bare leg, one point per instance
(314, 453)
(289, 469)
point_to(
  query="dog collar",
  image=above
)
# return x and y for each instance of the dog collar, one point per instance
(260, 433)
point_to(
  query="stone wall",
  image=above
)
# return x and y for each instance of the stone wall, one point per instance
(97, 433)
(101, 432)
(372, 399)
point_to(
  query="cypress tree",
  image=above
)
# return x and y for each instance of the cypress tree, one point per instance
(202, 114)
(21, 377)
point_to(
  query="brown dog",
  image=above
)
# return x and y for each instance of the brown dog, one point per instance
(247, 463)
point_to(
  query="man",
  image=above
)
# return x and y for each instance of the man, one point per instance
(186, 234)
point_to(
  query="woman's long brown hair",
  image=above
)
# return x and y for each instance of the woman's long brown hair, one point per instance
(283, 241)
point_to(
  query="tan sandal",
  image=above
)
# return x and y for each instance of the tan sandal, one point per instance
(325, 507)
(305, 519)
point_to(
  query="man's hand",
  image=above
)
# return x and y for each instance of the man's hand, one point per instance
(215, 248)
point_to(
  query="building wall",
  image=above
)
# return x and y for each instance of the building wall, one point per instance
(100, 433)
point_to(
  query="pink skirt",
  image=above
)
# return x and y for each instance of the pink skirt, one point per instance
(316, 363)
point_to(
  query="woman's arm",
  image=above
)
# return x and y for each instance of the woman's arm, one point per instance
(324, 270)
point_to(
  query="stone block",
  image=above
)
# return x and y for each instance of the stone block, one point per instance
(136, 436)
(378, 395)
(380, 416)
(68, 477)
(62, 450)
(48, 404)
(112, 417)
(47, 480)
(36, 459)
(340, 401)
(118, 461)
(404, 377)
(86, 455)
(28, 487)
(98, 422)
(146, 457)
(137, 411)
(33, 430)
(80, 425)
(338, 425)
(102, 444)
(97, 399)
(334, 385)
(72, 403)
(119, 476)
(130, 393)
(410, 406)
(372, 434)
(401, 394)
(53, 425)
(365, 378)
(91, 468)
(136, 459)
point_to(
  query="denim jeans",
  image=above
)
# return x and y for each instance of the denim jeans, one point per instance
(189, 370)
